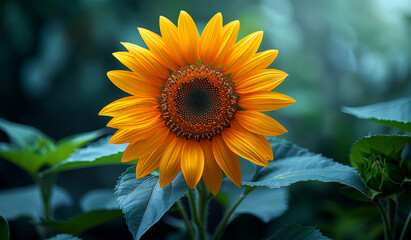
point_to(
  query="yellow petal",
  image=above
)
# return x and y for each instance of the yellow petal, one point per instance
(259, 123)
(246, 146)
(170, 163)
(128, 135)
(212, 175)
(127, 103)
(259, 143)
(260, 61)
(130, 83)
(131, 62)
(146, 146)
(263, 80)
(243, 51)
(210, 41)
(189, 37)
(157, 46)
(192, 162)
(230, 33)
(135, 119)
(147, 60)
(264, 101)
(171, 38)
(151, 162)
(227, 160)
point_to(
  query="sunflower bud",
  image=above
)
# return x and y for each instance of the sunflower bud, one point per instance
(382, 173)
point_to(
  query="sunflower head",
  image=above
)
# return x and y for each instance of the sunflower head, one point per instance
(196, 102)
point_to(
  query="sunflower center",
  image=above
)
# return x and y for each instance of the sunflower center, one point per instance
(198, 101)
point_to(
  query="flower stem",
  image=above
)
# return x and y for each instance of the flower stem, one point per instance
(194, 214)
(387, 231)
(46, 184)
(204, 197)
(405, 227)
(223, 223)
(186, 221)
(392, 213)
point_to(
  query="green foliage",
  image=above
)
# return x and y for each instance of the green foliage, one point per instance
(4, 229)
(31, 150)
(378, 159)
(64, 237)
(142, 200)
(298, 232)
(295, 164)
(26, 201)
(98, 199)
(84, 221)
(96, 154)
(396, 113)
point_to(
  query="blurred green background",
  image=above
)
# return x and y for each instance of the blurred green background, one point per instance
(55, 55)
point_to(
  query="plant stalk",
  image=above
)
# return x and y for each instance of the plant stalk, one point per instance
(186, 220)
(406, 227)
(387, 230)
(223, 223)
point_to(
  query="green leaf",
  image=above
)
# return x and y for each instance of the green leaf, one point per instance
(95, 154)
(142, 200)
(84, 221)
(4, 229)
(98, 199)
(26, 201)
(295, 164)
(20, 135)
(298, 232)
(64, 237)
(29, 161)
(263, 203)
(396, 113)
(68, 145)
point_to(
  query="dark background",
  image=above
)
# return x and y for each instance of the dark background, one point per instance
(54, 56)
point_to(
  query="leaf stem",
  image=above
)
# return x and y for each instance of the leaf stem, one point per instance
(406, 226)
(186, 220)
(228, 214)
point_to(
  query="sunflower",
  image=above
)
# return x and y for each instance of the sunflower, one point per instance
(196, 102)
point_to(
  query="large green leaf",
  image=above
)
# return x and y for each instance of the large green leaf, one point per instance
(263, 203)
(68, 145)
(4, 229)
(95, 154)
(295, 164)
(63, 237)
(396, 113)
(84, 221)
(26, 201)
(142, 200)
(298, 232)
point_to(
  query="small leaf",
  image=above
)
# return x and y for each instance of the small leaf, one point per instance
(142, 200)
(64, 237)
(29, 161)
(95, 154)
(396, 113)
(84, 221)
(68, 145)
(295, 164)
(98, 199)
(4, 229)
(298, 232)
(26, 201)
(20, 135)
(263, 203)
